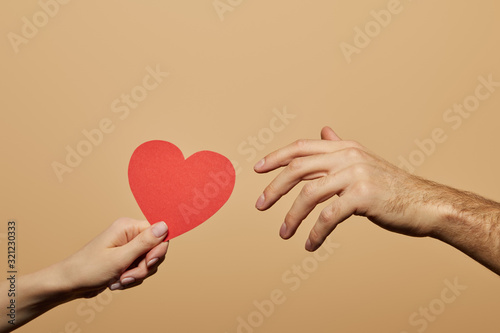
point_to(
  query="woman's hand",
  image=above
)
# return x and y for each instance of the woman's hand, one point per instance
(125, 254)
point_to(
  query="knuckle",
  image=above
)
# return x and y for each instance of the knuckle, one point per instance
(145, 242)
(361, 172)
(354, 153)
(295, 165)
(124, 222)
(120, 221)
(309, 191)
(362, 189)
(323, 181)
(326, 215)
(270, 190)
(300, 144)
(355, 144)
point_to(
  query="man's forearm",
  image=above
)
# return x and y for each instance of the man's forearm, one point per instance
(471, 224)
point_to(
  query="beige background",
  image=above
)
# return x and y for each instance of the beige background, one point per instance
(226, 77)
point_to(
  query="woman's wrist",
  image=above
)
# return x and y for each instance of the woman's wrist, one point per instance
(45, 288)
(39, 292)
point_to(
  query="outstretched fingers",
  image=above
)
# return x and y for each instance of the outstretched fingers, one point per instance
(335, 213)
(308, 168)
(300, 148)
(312, 194)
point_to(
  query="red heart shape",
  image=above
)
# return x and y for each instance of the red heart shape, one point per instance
(182, 192)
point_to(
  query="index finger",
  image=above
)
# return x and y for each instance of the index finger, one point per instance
(300, 148)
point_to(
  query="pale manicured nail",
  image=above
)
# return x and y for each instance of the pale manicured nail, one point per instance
(159, 229)
(283, 230)
(260, 201)
(128, 280)
(115, 286)
(152, 262)
(260, 164)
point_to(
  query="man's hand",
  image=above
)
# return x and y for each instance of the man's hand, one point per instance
(370, 186)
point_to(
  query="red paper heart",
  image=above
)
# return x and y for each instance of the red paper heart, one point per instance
(182, 192)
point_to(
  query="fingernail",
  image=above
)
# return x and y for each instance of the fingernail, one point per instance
(159, 229)
(115, 286)
(260, 201)
(152, 262)
(128, 280)
(260, 164)
(309, 246)
(283, 230)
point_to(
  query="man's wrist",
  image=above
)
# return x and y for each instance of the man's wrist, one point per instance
(471, 224)
(448, 222)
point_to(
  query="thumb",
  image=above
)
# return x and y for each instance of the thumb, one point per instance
(328, 134)
(144, 242)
